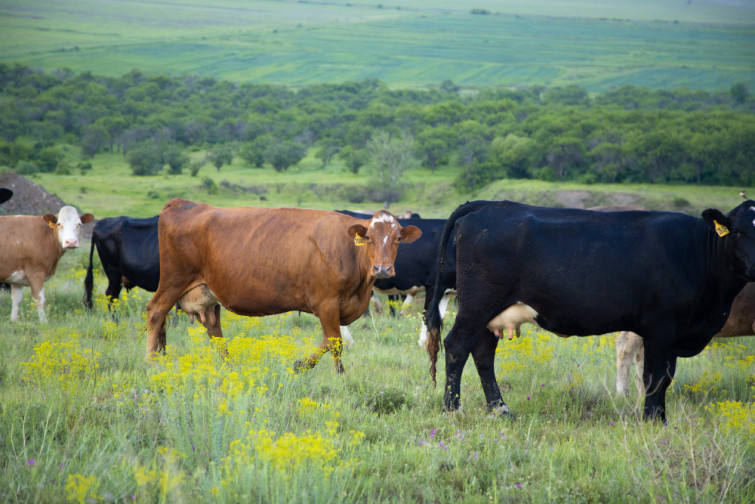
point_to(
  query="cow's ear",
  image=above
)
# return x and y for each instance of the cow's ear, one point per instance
(357, 230)
(410, 233)
(87, 217)
(51, 218)
(717, 221)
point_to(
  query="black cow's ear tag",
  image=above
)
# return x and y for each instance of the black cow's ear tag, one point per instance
(721, 230)
(358, 241)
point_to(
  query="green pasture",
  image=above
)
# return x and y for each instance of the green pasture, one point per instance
(109, 189)
(83, 417)
(423, 43)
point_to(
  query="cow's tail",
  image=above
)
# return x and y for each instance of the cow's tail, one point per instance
(432, 316)
(89, 279)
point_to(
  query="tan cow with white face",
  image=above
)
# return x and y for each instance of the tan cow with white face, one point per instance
(30, 248)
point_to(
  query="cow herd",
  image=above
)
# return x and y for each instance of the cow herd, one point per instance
(668, 281)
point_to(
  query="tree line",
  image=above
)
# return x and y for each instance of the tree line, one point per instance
(630, 134)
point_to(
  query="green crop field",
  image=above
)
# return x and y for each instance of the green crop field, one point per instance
(703, 45)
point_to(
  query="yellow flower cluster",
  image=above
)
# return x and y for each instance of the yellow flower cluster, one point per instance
(534, 348)
(706, 383)
(246, 366)
(163, 476)
(734, 416)
(62, 364)
(80, 488)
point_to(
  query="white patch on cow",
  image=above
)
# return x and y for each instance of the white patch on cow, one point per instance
(385, 240)
(384, 217)
(69, 227)
(17, 278)
(442, 306)
(346, 335)
(511, 319)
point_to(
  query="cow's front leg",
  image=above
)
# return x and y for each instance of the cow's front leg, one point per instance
(658, 372)
(331, 341)
(37, 286)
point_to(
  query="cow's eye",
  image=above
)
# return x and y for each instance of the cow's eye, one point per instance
(398, 239)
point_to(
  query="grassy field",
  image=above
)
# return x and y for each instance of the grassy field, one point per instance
(703, 45)
(110, 190)
(84, 419)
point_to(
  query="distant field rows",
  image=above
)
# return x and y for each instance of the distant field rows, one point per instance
(304, 43)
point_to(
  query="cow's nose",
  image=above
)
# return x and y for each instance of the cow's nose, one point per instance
(382, 271)
(71, 243)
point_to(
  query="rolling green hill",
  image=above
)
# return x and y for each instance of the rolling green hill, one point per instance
(599, 45)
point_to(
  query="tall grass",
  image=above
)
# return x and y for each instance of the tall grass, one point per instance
(84, 419)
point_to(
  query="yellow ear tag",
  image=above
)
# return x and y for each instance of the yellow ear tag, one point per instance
(721, 230)
(52, 226)
(358, 241)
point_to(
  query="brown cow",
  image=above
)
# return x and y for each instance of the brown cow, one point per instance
(262, 261)
(629, 346)
(30, 249)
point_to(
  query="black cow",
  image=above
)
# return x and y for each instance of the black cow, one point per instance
(129, 254)
(668, 276)
(415, 265)
(5, 194)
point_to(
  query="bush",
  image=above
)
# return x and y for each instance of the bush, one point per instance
(144, 159)
(25, 167)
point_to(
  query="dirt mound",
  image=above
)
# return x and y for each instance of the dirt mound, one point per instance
(30, 199)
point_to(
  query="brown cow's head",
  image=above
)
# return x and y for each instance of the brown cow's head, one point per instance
(381, 239)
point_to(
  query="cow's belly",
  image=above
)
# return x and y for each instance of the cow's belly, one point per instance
(17, 278)
(412, 291)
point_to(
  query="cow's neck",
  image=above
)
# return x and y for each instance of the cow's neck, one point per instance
(55, 247)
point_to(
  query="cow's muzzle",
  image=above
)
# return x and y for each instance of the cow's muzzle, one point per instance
(382, 271)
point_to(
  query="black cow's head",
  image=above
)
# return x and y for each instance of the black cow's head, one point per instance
(381, 239)
(737, 229)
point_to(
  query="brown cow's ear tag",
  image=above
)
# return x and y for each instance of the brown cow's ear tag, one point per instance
(721, 230)
(358, 241)
(52, 225)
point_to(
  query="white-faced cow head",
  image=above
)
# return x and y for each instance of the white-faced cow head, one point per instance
(67, 225)
(737, 230)
(381, 239)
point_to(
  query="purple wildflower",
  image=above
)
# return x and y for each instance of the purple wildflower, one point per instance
(31, 462)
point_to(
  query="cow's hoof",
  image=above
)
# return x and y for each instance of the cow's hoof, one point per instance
(501, 411)
(302, 365)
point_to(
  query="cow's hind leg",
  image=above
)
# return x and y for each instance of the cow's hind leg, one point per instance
(157, 310)
(628, 349)
(484, 359)
(16, 296)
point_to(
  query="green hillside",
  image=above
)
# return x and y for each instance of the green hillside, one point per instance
(702, 45)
